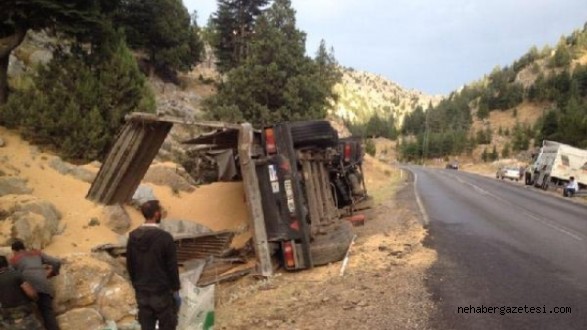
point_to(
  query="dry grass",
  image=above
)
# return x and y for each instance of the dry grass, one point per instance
(383, 287)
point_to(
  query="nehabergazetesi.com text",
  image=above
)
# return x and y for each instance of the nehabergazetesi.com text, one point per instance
(503, 310)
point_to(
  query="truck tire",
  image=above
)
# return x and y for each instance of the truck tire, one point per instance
(332, 247)
(313, 133)
(545, 183)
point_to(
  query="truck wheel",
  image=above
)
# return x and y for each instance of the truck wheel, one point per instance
(545, 183)
(315, 132)
(332, 246)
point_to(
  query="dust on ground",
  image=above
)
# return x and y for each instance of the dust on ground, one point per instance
(382, 288)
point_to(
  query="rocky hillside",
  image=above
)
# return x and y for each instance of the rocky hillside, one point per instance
(364, 94)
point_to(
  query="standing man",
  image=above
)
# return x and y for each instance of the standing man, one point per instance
(151, 261)
(16, 310)
(571, 188)
(36, 267)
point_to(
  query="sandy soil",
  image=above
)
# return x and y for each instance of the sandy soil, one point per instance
(382, 288)
(218, 206)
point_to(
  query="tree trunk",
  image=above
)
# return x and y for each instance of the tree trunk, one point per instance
(7, 44)
(4, 79)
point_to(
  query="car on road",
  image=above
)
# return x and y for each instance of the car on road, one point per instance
(508, 172)
(454, 165)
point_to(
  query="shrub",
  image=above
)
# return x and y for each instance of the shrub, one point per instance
(370, 147)
(76, 107)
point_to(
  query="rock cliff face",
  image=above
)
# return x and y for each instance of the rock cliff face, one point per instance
(362, 95)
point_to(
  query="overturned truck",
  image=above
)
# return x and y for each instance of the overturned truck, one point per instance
(299, 180)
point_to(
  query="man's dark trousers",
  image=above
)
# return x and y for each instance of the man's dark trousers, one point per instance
(157, 306)
(45, 305)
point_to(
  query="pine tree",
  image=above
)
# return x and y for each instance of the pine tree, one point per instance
(277, 81)
(163, 29)
(234, 24)
(77, 102)
(77, 18)
(485, 155)
(505, 152)
(494, 155)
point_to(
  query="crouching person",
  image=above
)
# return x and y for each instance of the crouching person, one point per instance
(571, 188)
(152, 266)
(16, 300)
(36, 268)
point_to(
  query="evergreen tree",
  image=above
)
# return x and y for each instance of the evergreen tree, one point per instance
(485, 155)
(505, 152)
(494, 155)
(277, 81)
(74, 17)
(234, 24)
(163, 29)
(520, 139)
(77, 102)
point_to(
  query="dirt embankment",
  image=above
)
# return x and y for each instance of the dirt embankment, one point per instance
(382, 288)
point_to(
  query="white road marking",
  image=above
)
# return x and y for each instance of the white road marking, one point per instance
(425, 218)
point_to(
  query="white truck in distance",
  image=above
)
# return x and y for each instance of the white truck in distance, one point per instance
(555, 164)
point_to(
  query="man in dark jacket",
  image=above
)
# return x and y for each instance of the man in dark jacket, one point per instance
(36, 267)
(152, 265)
(16, 310)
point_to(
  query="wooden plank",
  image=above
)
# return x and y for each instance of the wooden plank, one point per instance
(102, 182)
(311, 193)
(128, 151)
(332, 211)
(318, 192)
(253, 196)
(128, 161)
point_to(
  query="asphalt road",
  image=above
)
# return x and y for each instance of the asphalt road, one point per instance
(504, 246)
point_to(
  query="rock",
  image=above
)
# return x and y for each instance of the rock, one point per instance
(5, 251)
(30, 228)
(41, 56)
(142, 194)
(16, 67)
(117, 299)
(10, 185)
(33, 220)
(165, 176)
(116, 218)
(81, 318)
(60, 166)
(183, 227)
(89, 285)
(2, 143)
(80, 282)
(77, 172)
(83, 174)
(43, 208)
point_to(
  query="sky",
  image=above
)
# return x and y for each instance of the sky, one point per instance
(435, 46)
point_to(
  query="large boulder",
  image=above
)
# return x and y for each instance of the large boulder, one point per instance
(117, 219)
(33, 220)
(31, 228)
(80, 281)
(81, 318)
(77, 172)
(143, 194)
(91, 285)
(116, 299)
(10, 185)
